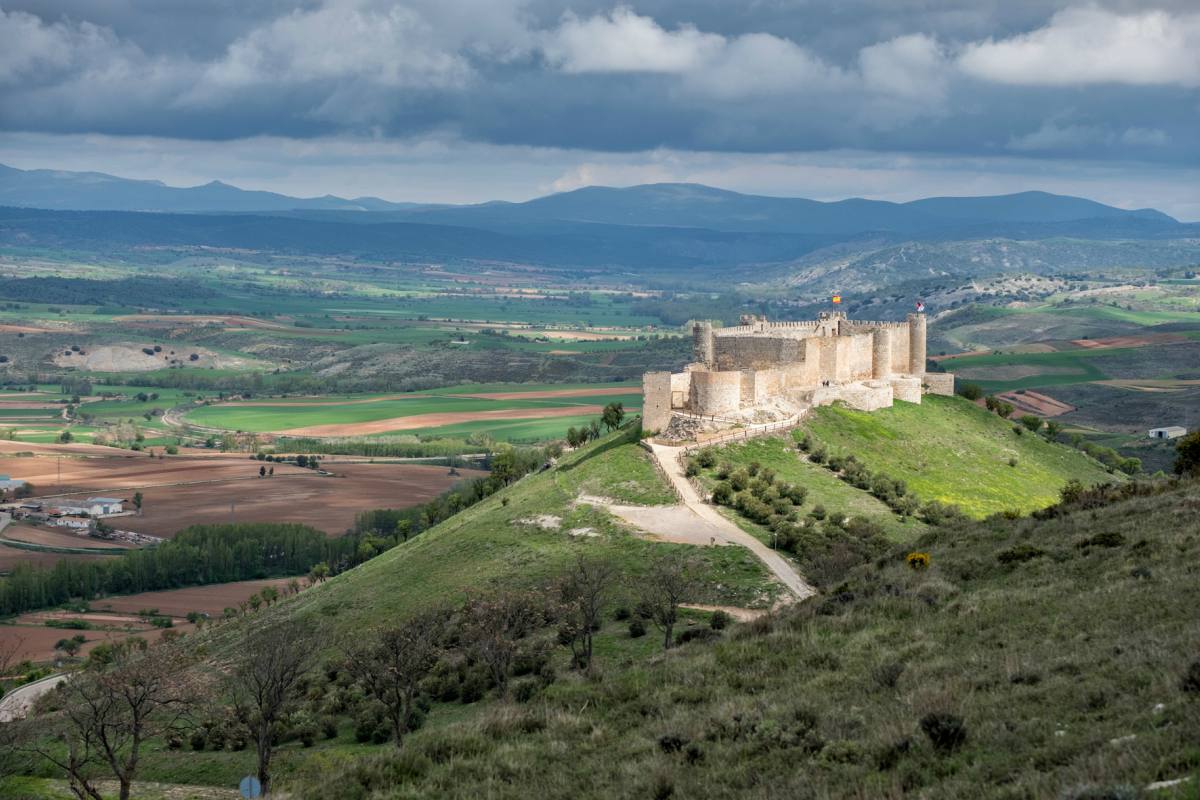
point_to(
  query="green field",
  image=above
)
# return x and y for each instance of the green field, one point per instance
(952, 451)
(263, 416)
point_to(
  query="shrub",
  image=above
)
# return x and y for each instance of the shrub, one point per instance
(971, 391)
(947, 732)
(696, 635)
(706, 458)
(1103, 539)
(1190, 682)
(198, 739)
(724, 470)
(637, 629)
(1019, 553)
(693, 468)
(1031, 422)
(888, 675)
(719, 620)
(622, 613)
(818, 512)
(917, 560)
(739, 480)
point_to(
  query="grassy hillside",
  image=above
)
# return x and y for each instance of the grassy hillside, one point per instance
(525, 536)
(1058, 649)
(952, 451)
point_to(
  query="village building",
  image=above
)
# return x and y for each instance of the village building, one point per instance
(1169, 432)
(762, 371)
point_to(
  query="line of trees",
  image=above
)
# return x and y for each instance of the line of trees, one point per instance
(201, 554)
(610, 419)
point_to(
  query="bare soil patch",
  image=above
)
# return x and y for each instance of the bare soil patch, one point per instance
(554, 393)
(117, 472)
(418, 421)
(211, 599)
(37, 642)
(1036, 403)
(326, 503)
(1130, 341)
(58, 537)
(132, 358)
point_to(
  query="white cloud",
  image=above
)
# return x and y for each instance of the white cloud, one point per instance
(1091, 45)
(623, 41)
(342, 41)
(910, 66)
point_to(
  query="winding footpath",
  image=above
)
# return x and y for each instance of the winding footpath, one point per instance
(16, 704)
(722, 530)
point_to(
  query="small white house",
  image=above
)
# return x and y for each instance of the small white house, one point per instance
(1170, 432)
(100, 506)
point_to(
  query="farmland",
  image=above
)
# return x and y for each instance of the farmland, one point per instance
(448, 411)
(116, 618)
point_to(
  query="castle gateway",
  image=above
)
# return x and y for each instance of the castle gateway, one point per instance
(761, 371)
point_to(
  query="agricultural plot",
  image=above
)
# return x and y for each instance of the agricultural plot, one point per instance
(115, 619)
(512, 411)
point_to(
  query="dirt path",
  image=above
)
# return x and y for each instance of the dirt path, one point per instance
(696, 522)
(16, 704)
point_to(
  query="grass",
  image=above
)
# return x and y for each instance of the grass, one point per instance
(1064, 670)
(522, 537)
(952, 451)
(824, 488)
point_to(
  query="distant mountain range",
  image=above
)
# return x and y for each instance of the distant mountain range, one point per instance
(673, 205)
(673, 231)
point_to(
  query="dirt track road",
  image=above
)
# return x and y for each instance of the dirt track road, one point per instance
(696, 522)
(16, 704)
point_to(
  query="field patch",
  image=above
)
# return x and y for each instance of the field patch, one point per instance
(950, 450)
(1042, 405)
(419, 421)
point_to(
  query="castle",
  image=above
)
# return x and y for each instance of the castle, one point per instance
(761, 371)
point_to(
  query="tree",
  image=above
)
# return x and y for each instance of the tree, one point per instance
(69, 646)
(269, 594)
(1004, 409)
(671, 582)
(1187, 455)
(583, 591)
(1031, 422)
(112, 708)
(613, 414)
(971, 391)
(1052, 430)
(265, 683)
(318, 573)
(262, 472)
(493, 628)
(137, 502)
(391, 667)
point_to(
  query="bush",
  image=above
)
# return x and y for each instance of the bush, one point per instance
(818, 512)
(622, 613)
(719, 620)
(696, 635)
(722, 493)
(706, 458)
(971, 391)
(1190, 683)
(947, 732)
(198, 739)
(637, 629)
(1031, 422)
(888, 675)
(739, 480)
(1104, 539)
(1019, 553)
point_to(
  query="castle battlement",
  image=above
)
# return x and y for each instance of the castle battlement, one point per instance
(762, 367)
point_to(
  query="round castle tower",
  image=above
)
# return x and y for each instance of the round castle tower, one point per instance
(702, 343)
(916, 344)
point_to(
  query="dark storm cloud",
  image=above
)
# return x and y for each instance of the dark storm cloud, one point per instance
(1039, 79)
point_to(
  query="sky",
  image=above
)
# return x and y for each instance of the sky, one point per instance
(473, 100)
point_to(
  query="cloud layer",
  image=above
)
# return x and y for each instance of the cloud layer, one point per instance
(1053, 79)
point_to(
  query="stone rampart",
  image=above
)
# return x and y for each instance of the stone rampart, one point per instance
(656, 400)
(716, 393)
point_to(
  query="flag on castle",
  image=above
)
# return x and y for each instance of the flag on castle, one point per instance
(837, 298)
(920, 306)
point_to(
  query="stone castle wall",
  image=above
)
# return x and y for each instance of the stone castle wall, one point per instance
(776, 365)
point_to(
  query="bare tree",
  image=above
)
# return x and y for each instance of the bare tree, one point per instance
(392, 667)
(493, 628)
(584, 590)
(110, 712)
(266, 681)
(671, 582)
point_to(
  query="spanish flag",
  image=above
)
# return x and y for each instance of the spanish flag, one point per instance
(837, 298)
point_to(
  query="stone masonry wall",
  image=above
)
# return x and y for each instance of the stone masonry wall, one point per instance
(656, 400)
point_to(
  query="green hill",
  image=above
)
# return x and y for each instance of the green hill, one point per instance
(952, 451)
(525, 536)
(1030, 659)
